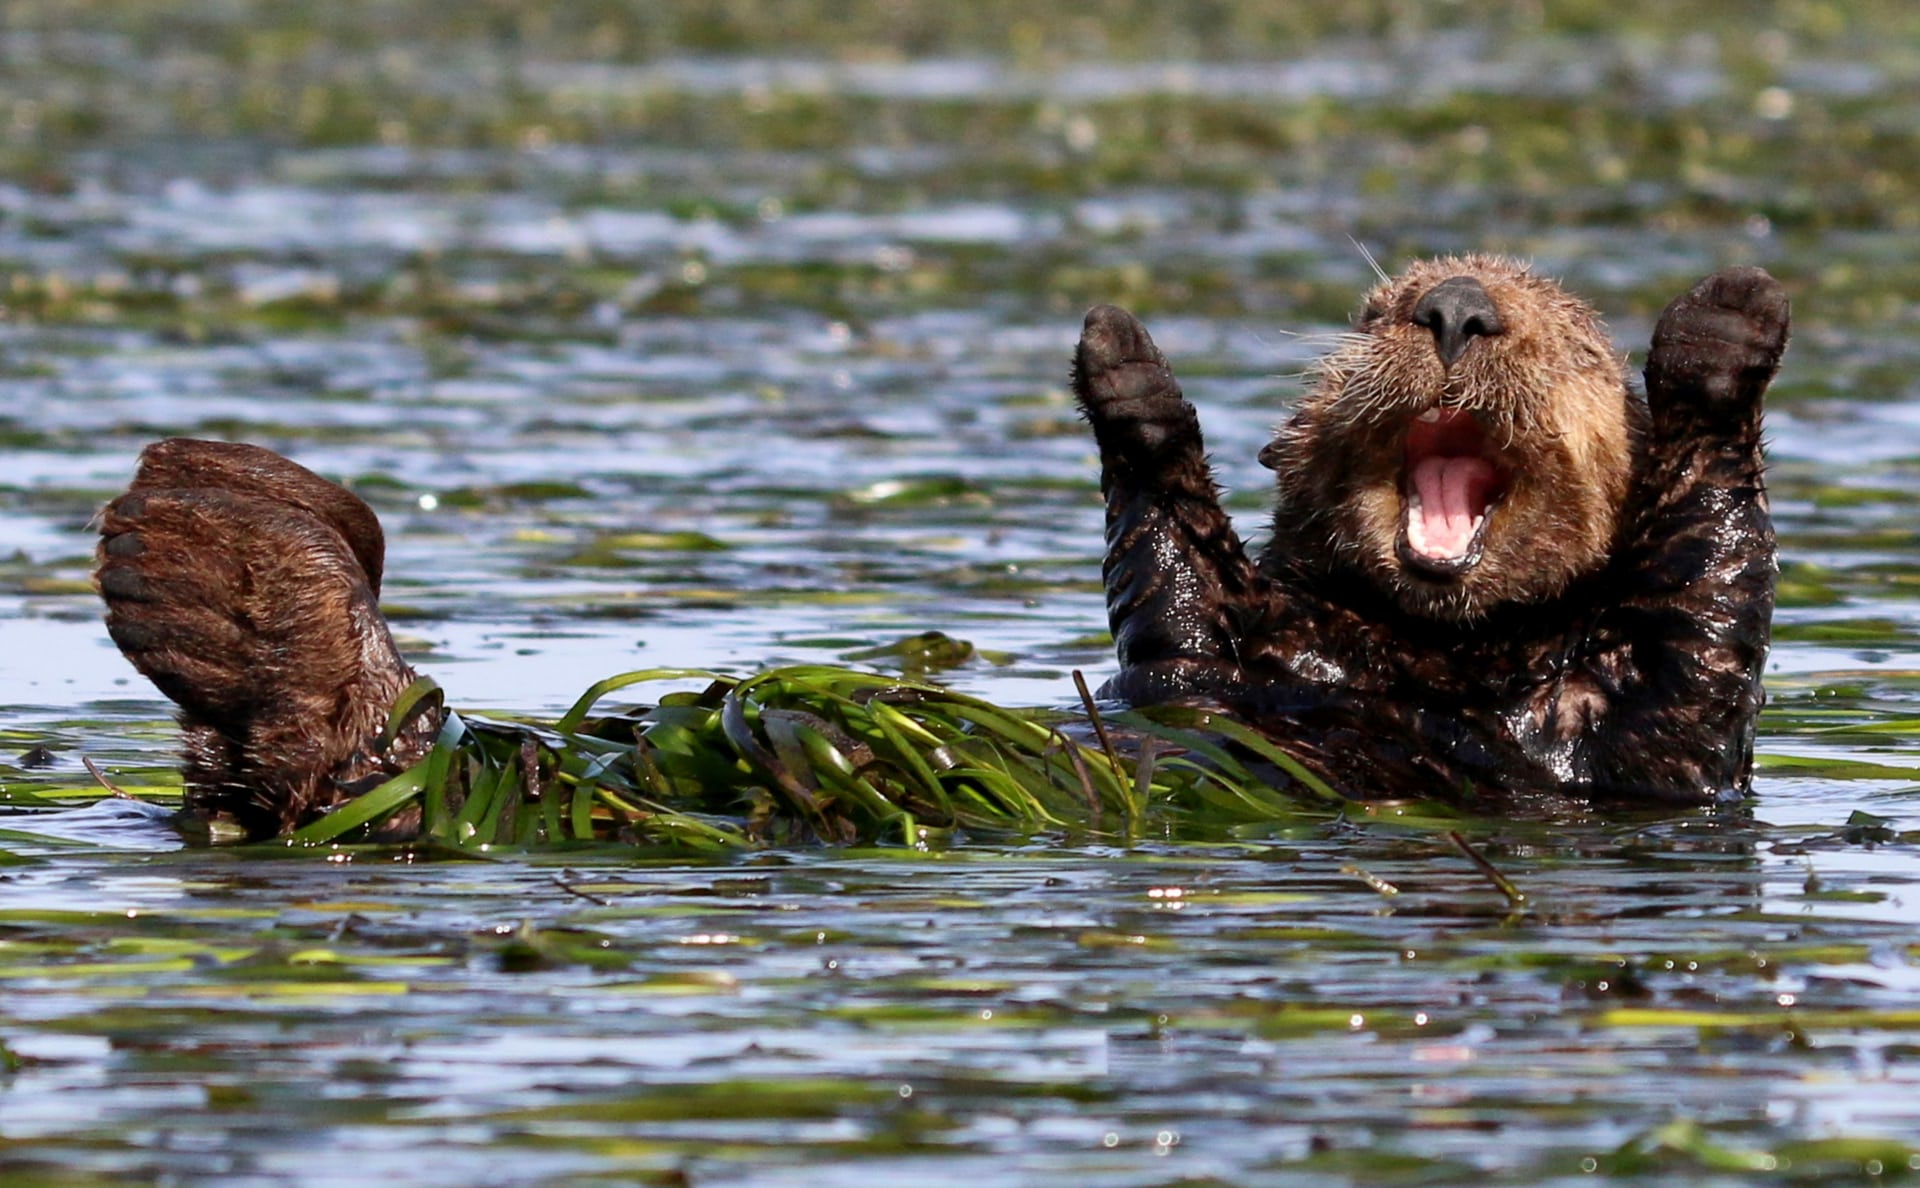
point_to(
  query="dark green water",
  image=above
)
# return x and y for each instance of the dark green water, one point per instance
(727, 335)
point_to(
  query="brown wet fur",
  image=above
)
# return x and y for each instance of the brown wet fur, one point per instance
(1551, 395)
(1608, 644)
(246, 587)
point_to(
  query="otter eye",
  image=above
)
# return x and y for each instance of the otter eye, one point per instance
(1368, 316)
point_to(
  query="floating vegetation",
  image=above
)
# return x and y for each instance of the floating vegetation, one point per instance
(821, 753)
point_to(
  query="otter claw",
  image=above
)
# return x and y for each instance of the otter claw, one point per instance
(1718, 345)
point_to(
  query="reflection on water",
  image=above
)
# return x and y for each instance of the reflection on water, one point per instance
(735, 358)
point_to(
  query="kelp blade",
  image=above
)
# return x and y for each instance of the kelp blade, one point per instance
(815, 752)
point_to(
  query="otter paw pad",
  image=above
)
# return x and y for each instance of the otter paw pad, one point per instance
(1120, 376)
(1720, 343)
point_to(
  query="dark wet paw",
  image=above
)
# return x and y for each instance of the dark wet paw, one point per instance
(1122, 379)
(1717, 346)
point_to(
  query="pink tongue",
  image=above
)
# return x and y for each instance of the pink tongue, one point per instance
(1452, 492)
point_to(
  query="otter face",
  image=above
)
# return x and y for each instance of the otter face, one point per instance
(1469, 446)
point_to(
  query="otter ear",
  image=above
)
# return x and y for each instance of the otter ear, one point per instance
(250, 472)
(1270, 455)
(1717, 347)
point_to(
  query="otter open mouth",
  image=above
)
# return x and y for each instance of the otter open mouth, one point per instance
(1451, 486)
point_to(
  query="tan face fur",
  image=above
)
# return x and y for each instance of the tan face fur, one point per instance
(1527, 440)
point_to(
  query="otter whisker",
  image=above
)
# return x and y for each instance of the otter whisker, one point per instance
(1371, 262)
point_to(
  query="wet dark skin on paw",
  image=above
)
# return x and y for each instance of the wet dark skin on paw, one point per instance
(1496, 574)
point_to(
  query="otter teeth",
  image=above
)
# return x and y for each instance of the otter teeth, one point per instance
(1419, 542)
(1431, 416)
(1446, 505)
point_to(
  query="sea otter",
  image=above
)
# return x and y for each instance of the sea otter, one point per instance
(1495, 573)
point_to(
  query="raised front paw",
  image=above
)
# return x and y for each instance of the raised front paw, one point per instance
(1124, 385)
(1717, 347)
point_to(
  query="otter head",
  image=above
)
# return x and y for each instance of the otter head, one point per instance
(1469, 446)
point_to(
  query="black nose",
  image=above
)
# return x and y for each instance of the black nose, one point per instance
(1456, 310)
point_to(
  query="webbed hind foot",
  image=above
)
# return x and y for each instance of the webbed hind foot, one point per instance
(245, 587)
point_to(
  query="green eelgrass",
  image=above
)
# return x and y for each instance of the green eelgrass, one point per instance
(823, 753)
